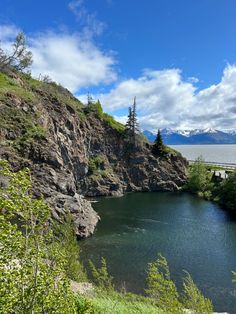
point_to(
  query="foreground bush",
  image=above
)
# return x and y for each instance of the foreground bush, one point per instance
(162, 289)
(227, 192)
(199, 178)
(32, 270)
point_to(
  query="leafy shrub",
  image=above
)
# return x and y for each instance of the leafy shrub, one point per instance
(199, 178)
(227, 192)
(85, 306)
(95, 163)
(32, 272)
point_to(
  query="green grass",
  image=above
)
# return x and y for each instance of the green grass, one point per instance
(22, 124)
(114, 306)
(109, 120)
(113, 123)
(170, 150)
(10, 85)
(32, 134)
(119, 303)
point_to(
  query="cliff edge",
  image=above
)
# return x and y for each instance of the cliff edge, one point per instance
(75, 151)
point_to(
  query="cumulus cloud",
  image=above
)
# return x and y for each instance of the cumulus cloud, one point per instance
(69, 59)
(164, 99)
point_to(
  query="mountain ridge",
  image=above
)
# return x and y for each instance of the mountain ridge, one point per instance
(196, 136)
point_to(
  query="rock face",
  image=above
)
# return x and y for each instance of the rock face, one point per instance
(73, 151)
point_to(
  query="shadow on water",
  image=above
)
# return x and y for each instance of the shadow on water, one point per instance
(193, 234)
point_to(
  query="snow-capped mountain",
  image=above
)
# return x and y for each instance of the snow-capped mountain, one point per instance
(197, 136)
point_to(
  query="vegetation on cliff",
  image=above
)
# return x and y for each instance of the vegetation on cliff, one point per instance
(33, 279)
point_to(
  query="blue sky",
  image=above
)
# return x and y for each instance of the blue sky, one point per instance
(177, 57)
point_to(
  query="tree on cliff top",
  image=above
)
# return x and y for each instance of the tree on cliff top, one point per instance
(132, 127)
(158, 147)
(19, 58)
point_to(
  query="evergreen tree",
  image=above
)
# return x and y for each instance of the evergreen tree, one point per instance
(128, 125)
(158, 147)
(132, 127)
(89, 99)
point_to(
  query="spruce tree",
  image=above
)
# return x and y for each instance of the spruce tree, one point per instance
(132, 124)
(128, 125)
(158, 147)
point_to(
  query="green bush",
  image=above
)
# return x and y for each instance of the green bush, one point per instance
(32, 134)
(32, 273)
(227, 192)
(95, 163)
(199, 178)
(85, 306)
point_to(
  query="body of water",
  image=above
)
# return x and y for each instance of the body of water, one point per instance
(193, 234)
(210, 153)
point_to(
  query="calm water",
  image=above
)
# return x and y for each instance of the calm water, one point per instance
(212, 153)
(193, 234)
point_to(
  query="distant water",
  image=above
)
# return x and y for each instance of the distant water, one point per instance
(193, 234)
(210, 153)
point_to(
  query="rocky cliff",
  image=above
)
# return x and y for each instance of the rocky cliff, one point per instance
(75, 150)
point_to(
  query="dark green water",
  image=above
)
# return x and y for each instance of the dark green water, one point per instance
(193, 234)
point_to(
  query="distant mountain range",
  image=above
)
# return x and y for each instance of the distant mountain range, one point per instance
(197, 136)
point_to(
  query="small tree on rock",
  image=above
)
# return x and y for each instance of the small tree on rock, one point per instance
(132, 127)
(19, 58)
(158, 147)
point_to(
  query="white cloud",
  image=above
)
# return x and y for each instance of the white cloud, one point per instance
(164, 99)
(71, 60)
